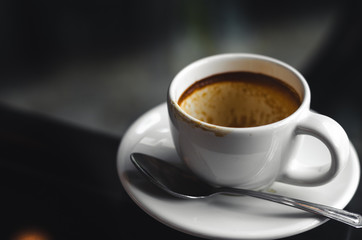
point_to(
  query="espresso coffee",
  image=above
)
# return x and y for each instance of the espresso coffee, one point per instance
(240, 99)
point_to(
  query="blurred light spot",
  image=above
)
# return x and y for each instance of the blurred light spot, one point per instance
(31, 234)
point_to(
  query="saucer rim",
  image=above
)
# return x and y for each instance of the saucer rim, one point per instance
(174, 225)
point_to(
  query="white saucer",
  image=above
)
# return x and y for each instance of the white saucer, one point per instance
(227, 217)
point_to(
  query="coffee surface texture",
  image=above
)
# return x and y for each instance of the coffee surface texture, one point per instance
(239, 99)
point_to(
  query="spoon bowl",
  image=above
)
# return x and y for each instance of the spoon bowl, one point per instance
(184, 184)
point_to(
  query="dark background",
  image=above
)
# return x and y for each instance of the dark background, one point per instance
(74, 75)
(86, 61)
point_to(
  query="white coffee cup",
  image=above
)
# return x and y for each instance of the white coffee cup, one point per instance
(252, 157)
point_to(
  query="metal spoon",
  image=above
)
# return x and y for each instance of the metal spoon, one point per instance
(183, 184)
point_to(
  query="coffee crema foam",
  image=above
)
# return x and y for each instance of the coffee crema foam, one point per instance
(240, 99)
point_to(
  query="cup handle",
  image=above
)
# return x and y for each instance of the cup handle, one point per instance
(334, 137)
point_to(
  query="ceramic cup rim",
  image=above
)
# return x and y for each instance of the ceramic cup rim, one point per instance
(304, 91)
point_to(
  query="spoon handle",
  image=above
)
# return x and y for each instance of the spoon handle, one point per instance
(352, 219)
